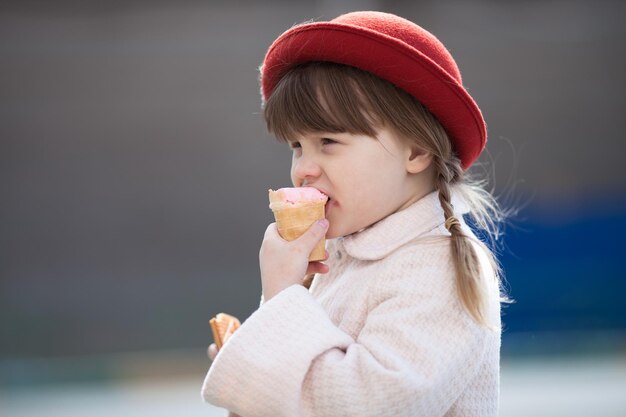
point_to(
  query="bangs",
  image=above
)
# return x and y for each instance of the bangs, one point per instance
(321, 97)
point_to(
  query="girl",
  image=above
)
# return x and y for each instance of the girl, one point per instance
(403, 318)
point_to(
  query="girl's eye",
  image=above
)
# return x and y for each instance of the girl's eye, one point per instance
(294, 145)
(327, 141)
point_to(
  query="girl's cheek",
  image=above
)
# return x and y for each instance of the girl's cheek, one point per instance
(294, 180)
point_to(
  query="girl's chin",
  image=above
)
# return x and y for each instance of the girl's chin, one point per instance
(332, 233)
(331, 236)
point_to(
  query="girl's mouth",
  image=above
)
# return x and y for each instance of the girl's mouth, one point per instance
(329, 203)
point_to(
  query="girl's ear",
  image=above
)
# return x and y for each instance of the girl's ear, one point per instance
(417, 160)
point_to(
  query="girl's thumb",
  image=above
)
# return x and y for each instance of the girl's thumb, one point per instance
(316, 232)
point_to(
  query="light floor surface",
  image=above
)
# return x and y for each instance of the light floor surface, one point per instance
(530, 387)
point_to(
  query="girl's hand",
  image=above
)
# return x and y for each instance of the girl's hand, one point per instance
(284, 263)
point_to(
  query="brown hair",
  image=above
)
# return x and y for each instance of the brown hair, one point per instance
(328, 97)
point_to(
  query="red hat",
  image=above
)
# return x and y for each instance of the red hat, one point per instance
(396, 50)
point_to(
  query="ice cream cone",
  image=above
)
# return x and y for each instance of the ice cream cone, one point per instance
(294, 216)
(223, 326)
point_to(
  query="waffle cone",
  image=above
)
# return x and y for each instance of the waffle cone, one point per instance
(223, 325)
(292, 222)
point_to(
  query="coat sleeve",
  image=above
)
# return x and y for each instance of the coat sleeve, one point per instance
(414, 356)
(261, 369)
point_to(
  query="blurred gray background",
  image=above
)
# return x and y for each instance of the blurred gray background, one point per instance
(134, 169)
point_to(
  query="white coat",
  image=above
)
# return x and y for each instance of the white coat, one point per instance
(382, 334)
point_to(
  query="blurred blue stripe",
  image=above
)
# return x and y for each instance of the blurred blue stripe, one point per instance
(566, 273)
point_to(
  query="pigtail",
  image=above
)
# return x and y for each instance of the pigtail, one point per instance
(466, 262)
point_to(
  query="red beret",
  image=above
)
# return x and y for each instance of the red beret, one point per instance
(396, 50)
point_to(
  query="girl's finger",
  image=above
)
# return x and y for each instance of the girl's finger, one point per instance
(212, 351)
(313, 235)
(316, 268)
(271, 232)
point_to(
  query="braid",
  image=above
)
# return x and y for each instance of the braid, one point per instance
(463, 253)
(444, 177)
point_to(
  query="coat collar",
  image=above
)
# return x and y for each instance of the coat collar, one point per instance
(423, 217)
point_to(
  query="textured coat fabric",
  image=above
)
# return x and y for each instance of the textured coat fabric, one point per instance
(382, 334)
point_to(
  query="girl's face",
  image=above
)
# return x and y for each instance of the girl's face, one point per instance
(365, 178)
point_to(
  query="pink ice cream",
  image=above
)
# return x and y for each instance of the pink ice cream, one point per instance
(295, 197)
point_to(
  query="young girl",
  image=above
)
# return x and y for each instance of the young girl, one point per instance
(403, 318)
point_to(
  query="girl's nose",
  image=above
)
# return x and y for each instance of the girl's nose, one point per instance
(304, 168)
